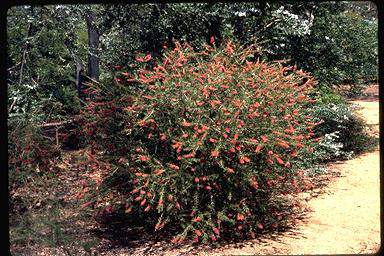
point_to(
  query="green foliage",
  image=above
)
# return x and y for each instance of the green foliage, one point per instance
(204, 144)
(342, 132)
(342, 47)
(326, 95)
(40, 71)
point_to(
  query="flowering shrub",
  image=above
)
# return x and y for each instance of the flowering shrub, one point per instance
(29, 152)
(204, 144)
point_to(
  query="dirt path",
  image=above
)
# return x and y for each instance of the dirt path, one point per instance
(345, 219)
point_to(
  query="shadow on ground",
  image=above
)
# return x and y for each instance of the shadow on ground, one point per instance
(128, 233)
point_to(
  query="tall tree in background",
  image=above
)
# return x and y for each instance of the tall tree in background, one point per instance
(93, 44)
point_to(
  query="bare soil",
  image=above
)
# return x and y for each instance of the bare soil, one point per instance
(341, 216)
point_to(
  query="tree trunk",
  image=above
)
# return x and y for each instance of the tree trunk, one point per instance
(93, 43)
(26, 47)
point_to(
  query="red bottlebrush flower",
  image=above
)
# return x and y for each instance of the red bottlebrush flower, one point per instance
(236, 136)
(195, 239)
(258, 149)
(283, 145)
(287, 164)
(175, 240)
(189, 155)
(177, 205)
(197, 219)
(300, 97)
(186, 124)
(212, 40)
(144, 158)
(264, 138)
(86, 204)
(229, 49)
(215, 153)
(240, 217)
(148, 97)
(143, 202)
(161, 203)
(147, 208)
(212, 89)
(147, 57)
(213, 238)
(209, 188)
(289, 131)
(254, 184)
(134, 191)
(159, 172)
(199, 103)
(227, 130)
(163, 136)
(185, 135)
(170, 198)
(128, 210)
(212, 140)
(198, 232)
(138, 198)
(216, 230)
(225, 135)
(173, 166)
(299, 145)
(230, 170)
(279, 160)
(232, 150)
(293, 154)
(204, 178)
(196, 180)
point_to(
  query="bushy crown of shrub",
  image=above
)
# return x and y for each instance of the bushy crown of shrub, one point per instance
(205, 141)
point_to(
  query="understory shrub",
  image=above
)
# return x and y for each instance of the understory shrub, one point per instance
(30, 152)
(342, 132)
(205, 143)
